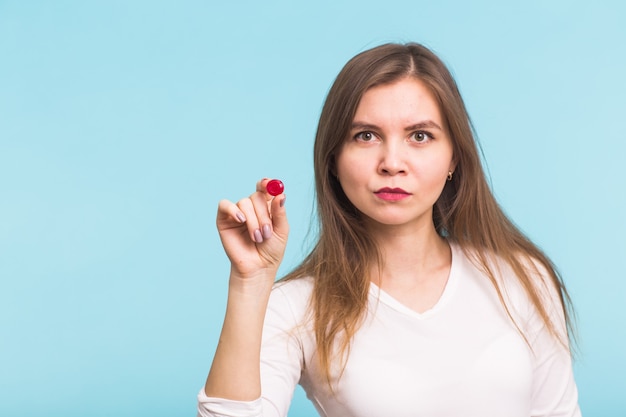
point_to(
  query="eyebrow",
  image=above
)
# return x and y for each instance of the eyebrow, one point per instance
(421, 125)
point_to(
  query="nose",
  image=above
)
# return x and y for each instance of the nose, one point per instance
(392, 159)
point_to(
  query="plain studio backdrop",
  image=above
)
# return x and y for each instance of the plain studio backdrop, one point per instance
(123, 123)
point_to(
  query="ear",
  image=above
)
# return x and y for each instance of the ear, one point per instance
(453, 164)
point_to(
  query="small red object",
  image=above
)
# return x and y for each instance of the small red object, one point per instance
(275, 187)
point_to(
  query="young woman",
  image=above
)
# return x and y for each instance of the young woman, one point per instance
(420, 298)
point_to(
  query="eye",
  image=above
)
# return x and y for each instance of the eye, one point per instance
(365, 136)
(421, 137)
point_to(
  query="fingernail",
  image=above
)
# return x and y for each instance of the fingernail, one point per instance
(267, 231)
(282, 202)
(258, 238)
(241, 217)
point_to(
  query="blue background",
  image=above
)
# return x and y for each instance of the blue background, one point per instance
(123, 123)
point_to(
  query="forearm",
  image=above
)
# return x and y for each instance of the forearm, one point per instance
(235, 372)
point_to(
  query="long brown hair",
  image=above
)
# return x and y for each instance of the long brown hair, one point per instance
(466, 212)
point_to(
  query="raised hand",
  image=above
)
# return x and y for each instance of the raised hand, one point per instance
(254, 232)
(254, 235)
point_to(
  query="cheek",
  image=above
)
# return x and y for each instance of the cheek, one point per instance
(348, 168)
(433, 167)
(432, 173)
(351, 176)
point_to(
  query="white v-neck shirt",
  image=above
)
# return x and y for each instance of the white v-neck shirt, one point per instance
(463, 357)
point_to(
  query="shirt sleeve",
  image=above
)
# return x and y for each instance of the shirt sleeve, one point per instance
(554, 392)
(220, 407)
(281, 363)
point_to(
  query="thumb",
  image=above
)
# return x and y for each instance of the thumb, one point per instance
(279, 216)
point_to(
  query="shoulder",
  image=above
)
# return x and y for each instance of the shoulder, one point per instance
(296, 291)
(518, 284)
(290, 299)
(504, 272)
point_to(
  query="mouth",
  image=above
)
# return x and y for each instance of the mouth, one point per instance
(392, 194)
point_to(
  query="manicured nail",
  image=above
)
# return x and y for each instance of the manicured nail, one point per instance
(282, 202)
(258, 238)
(267, 231)
(241, 217)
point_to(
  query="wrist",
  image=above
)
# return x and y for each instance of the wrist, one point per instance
(258, 284)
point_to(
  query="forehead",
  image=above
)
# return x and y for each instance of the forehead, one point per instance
(405, 100)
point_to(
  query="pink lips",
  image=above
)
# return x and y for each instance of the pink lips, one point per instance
(392, 194)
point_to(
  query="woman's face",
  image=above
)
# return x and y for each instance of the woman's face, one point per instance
(395, 162)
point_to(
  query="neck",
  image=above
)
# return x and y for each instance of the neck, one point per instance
(410, 255)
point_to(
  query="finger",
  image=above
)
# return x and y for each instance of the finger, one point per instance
(262, 211)
(247, 208)
(228, 210)
(261, 187)
(261, 184)
(279, 216)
